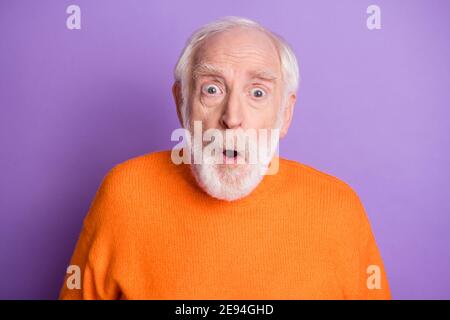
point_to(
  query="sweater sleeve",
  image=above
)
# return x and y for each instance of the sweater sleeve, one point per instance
(373, 283)
(94, 252)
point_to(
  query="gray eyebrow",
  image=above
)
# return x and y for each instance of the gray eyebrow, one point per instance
(205, 69)
(266, 75)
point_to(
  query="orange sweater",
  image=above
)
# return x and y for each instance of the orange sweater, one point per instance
(151, 233)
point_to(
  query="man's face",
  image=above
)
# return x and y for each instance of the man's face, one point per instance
(236, 85)
(237, 81)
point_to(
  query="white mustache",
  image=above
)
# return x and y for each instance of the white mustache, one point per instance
(234, 146)
(250, 145)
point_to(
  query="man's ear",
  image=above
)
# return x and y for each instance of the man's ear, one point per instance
(288, 112)
(176, 92)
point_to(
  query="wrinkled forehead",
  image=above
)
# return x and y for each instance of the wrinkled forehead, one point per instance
(239, 50)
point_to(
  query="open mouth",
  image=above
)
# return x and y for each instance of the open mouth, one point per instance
(230, 153)
(231, 156)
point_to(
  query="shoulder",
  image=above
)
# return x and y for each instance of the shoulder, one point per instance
(137, 175)
(127, 184)
(335, 197)
(335, 201)
(140, 167)
(313, 178)
(152, 161)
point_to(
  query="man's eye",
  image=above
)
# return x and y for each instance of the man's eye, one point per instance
(211, 89)
(257, 92)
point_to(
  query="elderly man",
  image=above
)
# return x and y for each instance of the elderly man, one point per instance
(227, 228)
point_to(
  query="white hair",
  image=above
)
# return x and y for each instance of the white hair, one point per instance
(288, 61)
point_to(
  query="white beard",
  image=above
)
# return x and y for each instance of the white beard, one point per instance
(225, 183)
(229, 181)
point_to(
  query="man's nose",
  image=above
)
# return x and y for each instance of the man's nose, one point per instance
(232, 115)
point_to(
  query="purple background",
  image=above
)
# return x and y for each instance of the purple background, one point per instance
(373, 110)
